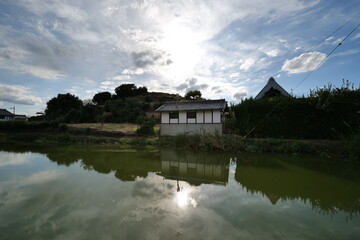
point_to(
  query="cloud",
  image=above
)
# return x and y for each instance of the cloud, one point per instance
(246, 65)
(191, 84)
(120, 78)
(133, 71)
(239, 95)
(17, 94)
(304, 63)
(273, 53)
(356, 37)
(148, 58)
(13, 159)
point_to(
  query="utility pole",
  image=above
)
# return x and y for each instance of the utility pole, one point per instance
(13, 108)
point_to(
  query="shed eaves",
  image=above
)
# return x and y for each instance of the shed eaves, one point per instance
(193, 105)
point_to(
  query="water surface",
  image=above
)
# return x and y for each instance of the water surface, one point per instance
(109, 192)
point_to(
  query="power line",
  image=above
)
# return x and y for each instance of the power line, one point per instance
(307, 75)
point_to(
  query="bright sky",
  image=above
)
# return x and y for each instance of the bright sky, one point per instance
(227, 49)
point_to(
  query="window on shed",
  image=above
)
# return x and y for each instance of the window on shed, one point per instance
(174, 115)
(191, 114)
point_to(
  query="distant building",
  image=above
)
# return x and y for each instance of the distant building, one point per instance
(272, 89)
(190, 117)
(20, 117)
(5, 115)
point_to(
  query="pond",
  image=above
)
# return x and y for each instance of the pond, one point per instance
(112, 192)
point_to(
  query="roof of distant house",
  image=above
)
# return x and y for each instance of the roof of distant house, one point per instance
(193, 105)
(20, 116)
(4, 112)
(271, 84)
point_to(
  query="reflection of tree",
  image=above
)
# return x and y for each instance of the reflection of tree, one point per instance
(325, 193)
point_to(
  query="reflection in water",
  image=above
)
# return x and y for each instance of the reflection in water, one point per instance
(182, 197)
(329, 187)
(142, 194)
(193, 168)
(280, 180)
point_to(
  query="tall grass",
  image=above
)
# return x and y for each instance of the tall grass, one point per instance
(24, 125)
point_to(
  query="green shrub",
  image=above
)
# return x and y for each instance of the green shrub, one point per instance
(146, 126)
(354, 146)
(63, 127)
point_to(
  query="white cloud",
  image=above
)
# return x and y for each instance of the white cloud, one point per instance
(134, 71)
(42, 177)
(273, 53)
(234, 75)
(40, 72)
(356, 37)
(107, 83)
(13, 159)
(304, 63)
(246, 65)
(17, 94)
(347, 53)
(121, 77)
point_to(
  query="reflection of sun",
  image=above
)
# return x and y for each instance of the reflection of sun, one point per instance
(182, 198)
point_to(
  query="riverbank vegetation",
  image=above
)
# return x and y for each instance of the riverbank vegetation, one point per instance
(331, 115)
(327, 113)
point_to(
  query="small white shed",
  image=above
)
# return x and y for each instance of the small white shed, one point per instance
(190, 117)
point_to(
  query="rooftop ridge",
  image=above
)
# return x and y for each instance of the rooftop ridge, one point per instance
(195, 100)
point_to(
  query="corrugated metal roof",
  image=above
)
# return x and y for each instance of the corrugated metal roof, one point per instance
(4, 112)
(193, 105)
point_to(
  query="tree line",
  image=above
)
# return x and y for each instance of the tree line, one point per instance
(128, 105)
(326, 113)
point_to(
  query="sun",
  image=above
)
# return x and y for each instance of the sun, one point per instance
(184, 47)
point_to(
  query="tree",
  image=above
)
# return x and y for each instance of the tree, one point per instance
(101, 97)
(193, 95)
(58, 107)
(126, 90)
(127, 110)
(129, 90)
(90, 112)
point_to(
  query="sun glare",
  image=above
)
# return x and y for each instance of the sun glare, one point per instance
(182, 198)
(183, 46)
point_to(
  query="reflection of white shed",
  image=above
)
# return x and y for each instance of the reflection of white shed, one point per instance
(190, 117)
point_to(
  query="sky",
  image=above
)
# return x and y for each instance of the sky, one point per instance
(226, 49)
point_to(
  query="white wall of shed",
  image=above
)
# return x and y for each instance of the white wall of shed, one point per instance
(200, 116)
(208, 116)
(165, 117)
(182, 117)
(216, 116)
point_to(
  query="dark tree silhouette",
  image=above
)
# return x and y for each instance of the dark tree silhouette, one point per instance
(58, 107)
(101, 97)
(129, 90)
(193, 95)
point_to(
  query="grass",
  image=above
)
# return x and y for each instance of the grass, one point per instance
(126, 128)
(125, 134)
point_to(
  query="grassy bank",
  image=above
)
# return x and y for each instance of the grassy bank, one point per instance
(343, 150)
(126, 134)
(346, 150)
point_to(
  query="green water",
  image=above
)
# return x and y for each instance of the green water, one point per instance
(108, 192)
